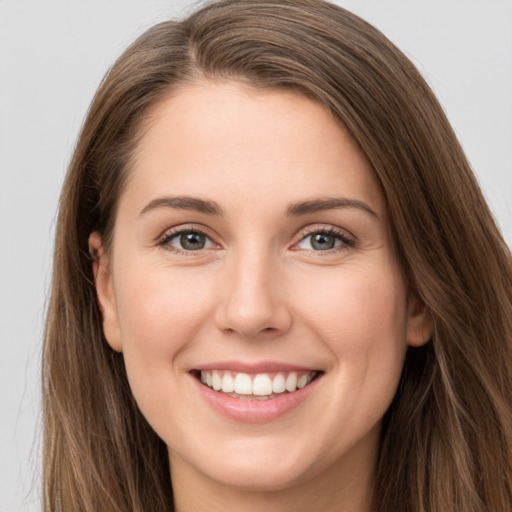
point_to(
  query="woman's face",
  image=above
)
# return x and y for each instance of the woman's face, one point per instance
(251, 250)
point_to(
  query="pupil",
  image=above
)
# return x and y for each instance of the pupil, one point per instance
(192, 241)
(322, 242)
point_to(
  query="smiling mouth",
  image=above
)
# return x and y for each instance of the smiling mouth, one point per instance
(260, 386)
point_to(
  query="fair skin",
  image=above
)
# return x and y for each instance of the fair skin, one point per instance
(254, 283)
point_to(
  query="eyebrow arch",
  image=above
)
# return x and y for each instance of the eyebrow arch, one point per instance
(184, 203)
(330, 203)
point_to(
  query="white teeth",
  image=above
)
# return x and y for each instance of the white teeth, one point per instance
(260, 385)
(303, 380)
(228, 384)
(216, 382)
(291, 382)
(278, 384)
(243, 384)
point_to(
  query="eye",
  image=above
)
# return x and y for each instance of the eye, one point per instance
(187, 240)
(325, 240)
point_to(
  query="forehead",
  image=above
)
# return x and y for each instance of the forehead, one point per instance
(233, 140)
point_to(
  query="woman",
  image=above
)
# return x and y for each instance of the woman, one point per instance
(277, 283)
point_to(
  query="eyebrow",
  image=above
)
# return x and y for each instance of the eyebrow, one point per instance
(184, 203)
(294, 210)
(330, 203)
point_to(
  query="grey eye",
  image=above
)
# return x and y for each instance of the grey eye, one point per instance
(192, 240)
(322, 242)
(188, 240)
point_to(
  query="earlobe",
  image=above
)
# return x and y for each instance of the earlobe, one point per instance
(420, 324)
(105, 292)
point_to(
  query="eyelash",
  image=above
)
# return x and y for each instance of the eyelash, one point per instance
(346, 241)
(170, 235)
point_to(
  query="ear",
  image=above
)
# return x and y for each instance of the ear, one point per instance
(420, 325)
(105, 292)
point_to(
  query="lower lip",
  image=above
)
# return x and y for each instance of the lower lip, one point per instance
(255, 411)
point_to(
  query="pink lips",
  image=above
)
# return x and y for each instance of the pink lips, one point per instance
(253, 411)
(262, 367)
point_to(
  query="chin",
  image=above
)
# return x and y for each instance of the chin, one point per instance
(266, 463)
(259, 478)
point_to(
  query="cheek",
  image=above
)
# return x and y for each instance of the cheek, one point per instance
(161, 313)
(356, 308)
(360, 316)
(160, 309)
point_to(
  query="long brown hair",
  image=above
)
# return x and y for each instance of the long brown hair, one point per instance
(446, 440)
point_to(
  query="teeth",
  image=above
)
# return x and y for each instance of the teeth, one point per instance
(303, 380)
(260, 385)
(291, 382)
(228, 384)
(243, 384)
(216, 382)
(278, 384)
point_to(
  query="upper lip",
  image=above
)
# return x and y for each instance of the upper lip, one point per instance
(254, 367)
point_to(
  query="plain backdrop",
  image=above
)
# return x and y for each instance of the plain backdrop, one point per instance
(53, 55)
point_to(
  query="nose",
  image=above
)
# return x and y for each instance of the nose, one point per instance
(253, 302)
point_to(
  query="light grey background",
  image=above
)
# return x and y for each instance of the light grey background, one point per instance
(52, 57)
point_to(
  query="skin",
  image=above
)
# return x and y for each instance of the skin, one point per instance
(258, 291)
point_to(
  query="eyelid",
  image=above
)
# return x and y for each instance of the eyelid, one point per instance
(171, 233)
(324, 228)
(348, 240)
